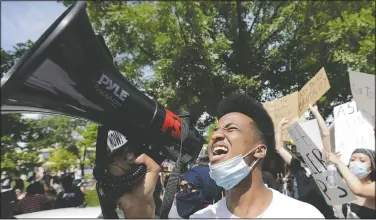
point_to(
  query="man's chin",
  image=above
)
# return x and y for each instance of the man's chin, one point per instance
(217, 159)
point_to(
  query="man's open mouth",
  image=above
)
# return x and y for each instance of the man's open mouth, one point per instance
(219, 150)
(219, 154)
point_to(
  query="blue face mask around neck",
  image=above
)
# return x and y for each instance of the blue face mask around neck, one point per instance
(230, 172)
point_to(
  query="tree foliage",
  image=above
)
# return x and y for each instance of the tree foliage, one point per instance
(15, 129)
(62, 159)
(202, 51)
(9, 58)
(60, 130)
(20, 161)
(89, 139)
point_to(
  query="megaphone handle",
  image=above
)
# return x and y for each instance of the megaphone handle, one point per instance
(108, 207)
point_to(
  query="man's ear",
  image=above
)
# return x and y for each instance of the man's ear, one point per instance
(261, 151)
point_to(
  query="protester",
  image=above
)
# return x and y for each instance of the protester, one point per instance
(47, 178)
(56, 184)
(71, 195)
(269, 180)
(19, 188)
(35, 200)
(360, 177)
(77, 176)
(19, 184)
(82, 185)
(197, 191)
(8, 197)
(307, 187)
(244, 135)
(32, 178)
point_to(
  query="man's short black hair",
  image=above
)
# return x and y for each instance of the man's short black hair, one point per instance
(245, 104)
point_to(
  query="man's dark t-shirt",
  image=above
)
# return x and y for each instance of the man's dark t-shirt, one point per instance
(309, 191)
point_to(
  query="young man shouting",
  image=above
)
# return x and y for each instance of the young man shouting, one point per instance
(243, 137)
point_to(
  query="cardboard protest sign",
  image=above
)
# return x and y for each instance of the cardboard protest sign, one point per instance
(315, 161)
(313, 90)
(363, 91)
(286, 106)
(351, 130)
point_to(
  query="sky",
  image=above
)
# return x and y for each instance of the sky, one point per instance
(26, 20)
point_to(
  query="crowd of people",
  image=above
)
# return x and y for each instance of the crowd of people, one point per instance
(248, 173)
(244, 179)
(42, 193)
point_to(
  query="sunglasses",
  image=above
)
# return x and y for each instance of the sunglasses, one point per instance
(187, 188)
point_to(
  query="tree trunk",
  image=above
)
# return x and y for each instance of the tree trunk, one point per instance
(82, 165)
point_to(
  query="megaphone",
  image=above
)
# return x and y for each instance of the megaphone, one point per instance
(69, 71)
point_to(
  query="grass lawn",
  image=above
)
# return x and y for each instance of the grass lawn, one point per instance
(92, 198)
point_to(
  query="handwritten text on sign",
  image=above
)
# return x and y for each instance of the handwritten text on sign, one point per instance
(351, 130)
(286, 106)
(313, 90)
(315, 160)
(363, 91)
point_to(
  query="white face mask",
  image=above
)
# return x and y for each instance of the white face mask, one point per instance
(359, 169)
(230, 172)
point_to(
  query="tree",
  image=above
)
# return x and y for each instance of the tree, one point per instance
(89, 134)
(15, 129)
(62, 159)
(20, 161)
(9, 58)
(60, 130)
(202, 51)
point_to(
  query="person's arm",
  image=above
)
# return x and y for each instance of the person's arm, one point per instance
(324, 130)
(140, 202)
(286, 156)
(365, 191)
(288, 174)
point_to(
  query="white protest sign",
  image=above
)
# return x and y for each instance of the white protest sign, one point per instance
(351, 131)
(345, 109)
(363, 91)
(315, 161)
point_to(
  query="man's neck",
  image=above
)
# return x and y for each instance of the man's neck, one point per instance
(250, 197)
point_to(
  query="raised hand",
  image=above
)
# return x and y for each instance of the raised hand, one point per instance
(333, 158)
(139, 203)
(280, 126)
(278, 133)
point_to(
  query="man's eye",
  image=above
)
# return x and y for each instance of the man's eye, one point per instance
(231, 129)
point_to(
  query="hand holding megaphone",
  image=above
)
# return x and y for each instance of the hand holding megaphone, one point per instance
(140, 199)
